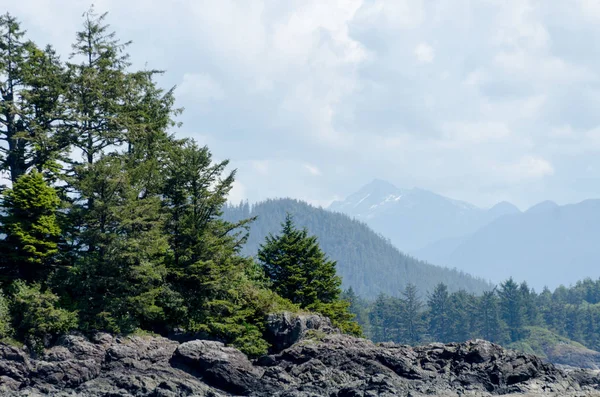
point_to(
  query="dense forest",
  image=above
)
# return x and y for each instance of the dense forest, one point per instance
(367, 262)
(109, 222)
(512, 314)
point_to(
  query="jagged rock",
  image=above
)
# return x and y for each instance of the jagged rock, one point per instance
(319, 363)
(223, 367)
(285, 329)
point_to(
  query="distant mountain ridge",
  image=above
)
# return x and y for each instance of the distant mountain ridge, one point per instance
(547, 245)
(415, 218)
(367, 262)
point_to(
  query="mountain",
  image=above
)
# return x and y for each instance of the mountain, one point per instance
(547, 245)
(415, 218)
(366, 261)
(542, 207)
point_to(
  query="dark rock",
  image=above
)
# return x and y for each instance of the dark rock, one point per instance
(285, 329)
(219, 366)
(319, 362)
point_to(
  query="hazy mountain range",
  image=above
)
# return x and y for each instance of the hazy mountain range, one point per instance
(546, 245)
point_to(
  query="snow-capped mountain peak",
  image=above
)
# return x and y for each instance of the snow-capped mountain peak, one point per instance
(415, 217)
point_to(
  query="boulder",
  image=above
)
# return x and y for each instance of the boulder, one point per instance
(219, 366)
(285, 329)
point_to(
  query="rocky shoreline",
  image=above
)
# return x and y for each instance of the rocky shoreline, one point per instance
(310, 359)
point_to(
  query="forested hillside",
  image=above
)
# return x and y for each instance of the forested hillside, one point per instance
(366, 261)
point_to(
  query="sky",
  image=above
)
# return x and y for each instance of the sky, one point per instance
(478, 100)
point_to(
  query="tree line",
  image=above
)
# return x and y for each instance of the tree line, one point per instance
(109, 222)
(502, 315)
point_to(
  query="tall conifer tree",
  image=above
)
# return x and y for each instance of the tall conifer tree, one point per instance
(301, 272)
(32, 232)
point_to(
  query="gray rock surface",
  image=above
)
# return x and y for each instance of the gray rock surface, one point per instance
(312, 359)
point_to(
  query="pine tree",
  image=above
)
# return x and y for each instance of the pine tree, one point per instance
(122, 279)
(411, 323)
(530, 309)
(300, 271)
(13, 55)
(511, 301)
(439, 313)
(491, 326)
(381, 318)
(359, 308)
(32, 88)
(32, 231)
(204, 264)
(462, 309)
(97, 87)
(297, 267)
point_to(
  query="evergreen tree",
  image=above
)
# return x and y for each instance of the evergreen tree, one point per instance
(297, 267)
(32, 87)
(491, 326)
(575, 323)
(32, 231)
(13, 55)
(381, 318)
(299, 271)
(411, 324)
(359, 308)
(463, 309)
(98, 87)
(530, 309)
(511, 301)
(439, 313)
(203, 262)
(122, 279)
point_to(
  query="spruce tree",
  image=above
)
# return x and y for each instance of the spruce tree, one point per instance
(491, 327)
(381, 319)
(297, 267)
(411, 322)
(511, 301)
(301, 272)
(530, 310)
(439, 313)
(463, 309)
(204, 266)
(97, 87)
(120, 282)
(32, 232)
(32, 88)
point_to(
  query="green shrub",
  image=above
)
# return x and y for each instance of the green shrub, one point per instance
(36, 318)
(5, 327)
(340, 316)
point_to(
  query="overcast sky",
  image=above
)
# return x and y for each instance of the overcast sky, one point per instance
(478, 100)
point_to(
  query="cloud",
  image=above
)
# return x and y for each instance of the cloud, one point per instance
(424, 53)
(528, 167)
(475, 132)
(506, 107)
(313, 170)
(237, 193)
(260, 166)
(201, 88)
